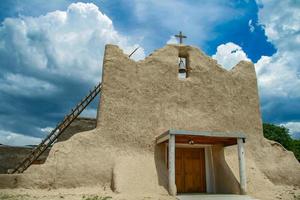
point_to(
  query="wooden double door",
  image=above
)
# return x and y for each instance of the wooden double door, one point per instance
(190, 170)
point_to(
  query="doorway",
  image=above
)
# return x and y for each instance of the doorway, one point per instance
(190, 175)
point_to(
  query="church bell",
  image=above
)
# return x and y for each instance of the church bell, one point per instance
(182, 67)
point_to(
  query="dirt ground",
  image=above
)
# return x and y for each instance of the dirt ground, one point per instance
(100, 193)
(82, 193)
(285, 193)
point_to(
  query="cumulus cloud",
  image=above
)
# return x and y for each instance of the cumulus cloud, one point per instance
(280, 19)
(294, 128)
(172, 40)
(16, 139)
(49, 62)
(229, 54)
(278, 75)
(62, 43)
(17, 84)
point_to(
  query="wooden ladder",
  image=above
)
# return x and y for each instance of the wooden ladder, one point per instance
(55, 133)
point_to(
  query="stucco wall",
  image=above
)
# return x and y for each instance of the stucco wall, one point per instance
(80, 124)
(225, 181)
(141, 100)
(10, 156)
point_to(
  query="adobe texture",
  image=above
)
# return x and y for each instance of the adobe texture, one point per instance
(10, 156)
(141, 100)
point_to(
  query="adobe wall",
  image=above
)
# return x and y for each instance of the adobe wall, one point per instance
(225, 181)
(141, 100)
(80, 124)
(11, 156)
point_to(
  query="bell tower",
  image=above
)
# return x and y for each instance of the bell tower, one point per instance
(183, 63)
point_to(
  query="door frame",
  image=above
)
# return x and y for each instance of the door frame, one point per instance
(209, 166)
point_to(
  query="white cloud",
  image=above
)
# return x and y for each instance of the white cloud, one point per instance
(138, 54)
(172, 40)
(229, 54)
(251, 27)
(26, 86)
(281, 19)
(279, 75)
(294, 127)
(62, 43)
(175, 15)
(89, 112)
(16, 139)
(47, 130)
(58, 56)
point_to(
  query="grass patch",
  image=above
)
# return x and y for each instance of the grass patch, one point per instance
(4, 196)
(95, 197)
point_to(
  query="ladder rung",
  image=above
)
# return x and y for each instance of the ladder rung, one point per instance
(55, 133)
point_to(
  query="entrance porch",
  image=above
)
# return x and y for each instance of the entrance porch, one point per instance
(196, 162)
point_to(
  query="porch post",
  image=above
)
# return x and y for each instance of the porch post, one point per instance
(242, 165)
(172, 185)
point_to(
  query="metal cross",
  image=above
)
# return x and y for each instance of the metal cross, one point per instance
(180, 36)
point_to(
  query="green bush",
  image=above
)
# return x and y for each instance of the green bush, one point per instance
(281, 135)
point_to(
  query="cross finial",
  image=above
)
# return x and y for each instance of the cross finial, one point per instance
(180, 36)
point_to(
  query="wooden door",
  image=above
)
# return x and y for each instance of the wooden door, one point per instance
(190, 170)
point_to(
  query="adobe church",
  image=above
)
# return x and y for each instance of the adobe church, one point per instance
(175, 122)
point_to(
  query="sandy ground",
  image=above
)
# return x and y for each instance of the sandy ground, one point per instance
(283, 193)
(99, 193)
(82, 193)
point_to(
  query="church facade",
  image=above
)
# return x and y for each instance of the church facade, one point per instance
(181, 101)
(175, 122)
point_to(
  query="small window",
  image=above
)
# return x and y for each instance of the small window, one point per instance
(182, 68)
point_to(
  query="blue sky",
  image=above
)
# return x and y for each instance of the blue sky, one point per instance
(45, 48)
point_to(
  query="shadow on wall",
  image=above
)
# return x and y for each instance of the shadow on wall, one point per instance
(161, 167)
(225, 181)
